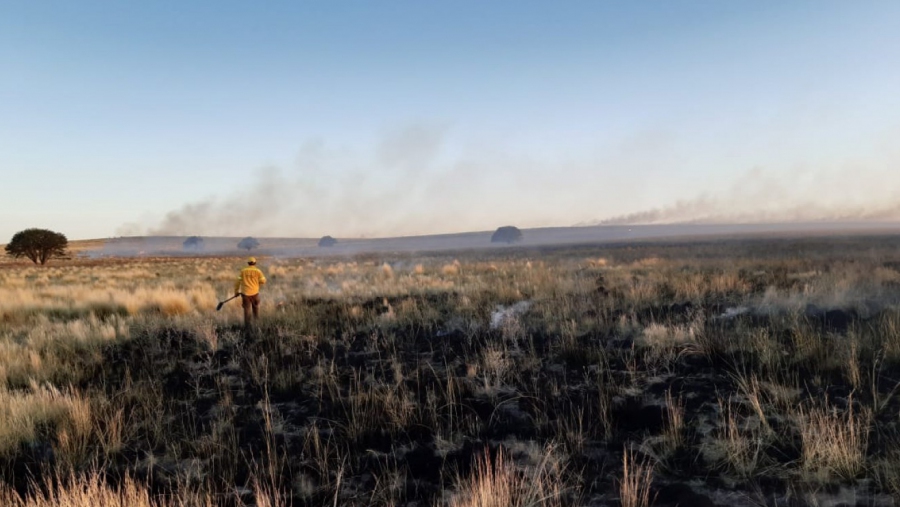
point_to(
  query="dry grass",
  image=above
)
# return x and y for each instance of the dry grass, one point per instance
(834, 441)
(92, 490)
(372, 358)
(739, 443)
(498, 482)
(637, 478)
(674, 431)
(24, 414)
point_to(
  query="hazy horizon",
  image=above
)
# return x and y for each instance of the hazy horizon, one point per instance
(582, 233)
(402, 118)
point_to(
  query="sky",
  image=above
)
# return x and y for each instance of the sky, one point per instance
(370, 119)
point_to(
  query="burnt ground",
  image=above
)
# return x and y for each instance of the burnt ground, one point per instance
(338, 402)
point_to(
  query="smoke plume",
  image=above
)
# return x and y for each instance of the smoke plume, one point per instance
(416, 181)
(849, 194)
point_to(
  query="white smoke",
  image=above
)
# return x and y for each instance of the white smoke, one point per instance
(417, 182)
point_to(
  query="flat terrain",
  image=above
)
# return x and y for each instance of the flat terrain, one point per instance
(151, 246)
(741, 371)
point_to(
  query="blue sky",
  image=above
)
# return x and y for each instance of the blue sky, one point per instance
(384, 118)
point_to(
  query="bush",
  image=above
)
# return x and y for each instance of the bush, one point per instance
(39, 245)
(194, 243)
(327, 241)
(506, 234)
(248, 243)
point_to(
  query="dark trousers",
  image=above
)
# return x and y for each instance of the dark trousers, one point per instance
(250, 303)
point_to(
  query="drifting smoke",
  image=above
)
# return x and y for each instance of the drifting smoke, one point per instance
(709, 210)
(252, 207)
(411, 183)
(757, 197)
(331, 192)
(415, 182)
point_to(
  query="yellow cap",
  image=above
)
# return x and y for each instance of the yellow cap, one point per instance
(251, 260)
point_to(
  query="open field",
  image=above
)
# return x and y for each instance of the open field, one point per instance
(171, 246)
(734, 372)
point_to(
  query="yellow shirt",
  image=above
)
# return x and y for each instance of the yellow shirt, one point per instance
(249, 280)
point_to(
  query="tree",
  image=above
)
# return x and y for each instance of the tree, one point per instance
(327, 241)
(39, 245)
(193, 243)
(248, 243)
(506, 234)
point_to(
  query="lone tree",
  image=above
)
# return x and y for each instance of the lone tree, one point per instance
(327, 241)
(194, 243)
(248, 243)
(506, 234)
(39, 245)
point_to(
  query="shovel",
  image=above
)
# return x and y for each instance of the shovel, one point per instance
(222, 303)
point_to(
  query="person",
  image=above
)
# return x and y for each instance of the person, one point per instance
(247, 285)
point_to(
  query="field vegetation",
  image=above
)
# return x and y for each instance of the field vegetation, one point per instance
(730, 372)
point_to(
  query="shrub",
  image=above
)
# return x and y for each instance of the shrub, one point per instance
(39, 245)
(194, 243)
(506, 234)
(327, 241)
(248, 243)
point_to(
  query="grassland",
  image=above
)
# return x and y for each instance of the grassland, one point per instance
(722, 372)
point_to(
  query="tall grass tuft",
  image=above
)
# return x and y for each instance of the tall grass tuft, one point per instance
(498, 482)
(92, 490)
(637, 477)
(834, 443)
